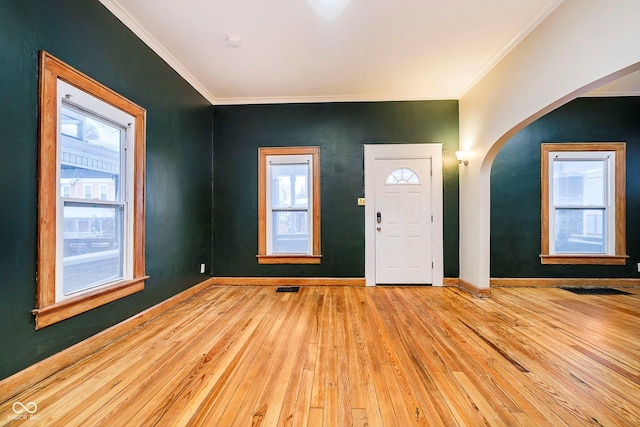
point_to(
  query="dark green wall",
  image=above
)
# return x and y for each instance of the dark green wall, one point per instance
(515, 186)
(340, 129)
(179, 154)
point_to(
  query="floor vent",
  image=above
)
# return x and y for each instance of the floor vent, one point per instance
(288, 289)
(597, 291)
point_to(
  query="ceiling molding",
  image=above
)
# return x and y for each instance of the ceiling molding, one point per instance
(540, 16)
(323, 99)
(120, 12)
(130, 22)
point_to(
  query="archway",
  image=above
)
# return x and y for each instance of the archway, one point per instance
(578, 47)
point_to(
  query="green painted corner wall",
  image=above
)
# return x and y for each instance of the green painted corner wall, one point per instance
(187, 221)
(515, 186)
(88, 37)
(340, 129)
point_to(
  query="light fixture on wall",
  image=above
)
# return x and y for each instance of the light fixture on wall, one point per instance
(462, 157)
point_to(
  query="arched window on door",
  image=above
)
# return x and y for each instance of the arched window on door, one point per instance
(402, 176)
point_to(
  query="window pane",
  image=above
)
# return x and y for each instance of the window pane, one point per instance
(579, 231)
(289, 186)
(403, 176)
(90, 157)
(579, 182)
(93, 237)
(290, 232)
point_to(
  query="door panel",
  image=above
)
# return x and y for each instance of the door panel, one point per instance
(403, 234)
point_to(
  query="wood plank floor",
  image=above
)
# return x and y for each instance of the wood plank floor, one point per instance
(342, 356)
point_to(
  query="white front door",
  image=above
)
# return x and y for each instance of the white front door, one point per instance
(409, 247)
(403, 221)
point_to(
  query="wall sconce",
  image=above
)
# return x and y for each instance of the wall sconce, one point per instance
(462, 157)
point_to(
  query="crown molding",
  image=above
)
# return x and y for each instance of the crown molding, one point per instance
(536, 20)
(116, 8)
(130, 22)
(326, 99)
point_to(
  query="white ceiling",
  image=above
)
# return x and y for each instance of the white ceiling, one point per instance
(373, 50)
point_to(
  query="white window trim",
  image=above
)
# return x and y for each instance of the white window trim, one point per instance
(609, 188)
(290, 160)
(126, 122)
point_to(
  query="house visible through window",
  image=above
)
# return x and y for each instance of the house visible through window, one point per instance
(583, 203)
(95, 240)
(92, 194)
(289, 209)
(289, 205)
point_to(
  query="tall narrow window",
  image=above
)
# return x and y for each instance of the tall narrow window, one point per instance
(104, 191)
(91, 240)
(289, 205)
(583, 204)
(88, 191)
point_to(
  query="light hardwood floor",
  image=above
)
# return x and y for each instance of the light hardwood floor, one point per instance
(341, 356)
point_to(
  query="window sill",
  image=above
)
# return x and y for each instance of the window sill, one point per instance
(585, 259)
(57, 312)
(289, 259)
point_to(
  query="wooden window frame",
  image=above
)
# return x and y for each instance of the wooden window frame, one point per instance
(263, 257)
(619, 257)
(48, 311)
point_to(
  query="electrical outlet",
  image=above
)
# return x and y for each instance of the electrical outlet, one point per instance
(639, 267)
(201, 268)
